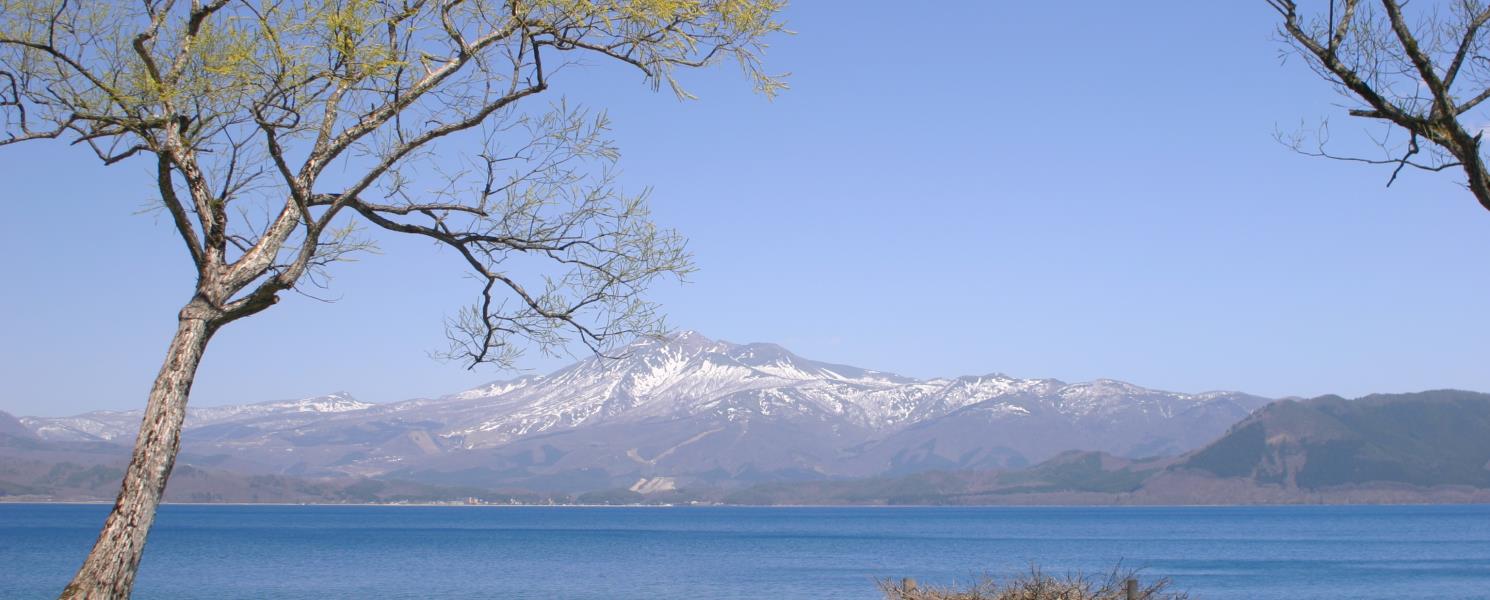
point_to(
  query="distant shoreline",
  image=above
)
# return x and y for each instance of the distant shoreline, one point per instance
(760, 506)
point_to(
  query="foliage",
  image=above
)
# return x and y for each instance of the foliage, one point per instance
(279, 128)
(273, 122)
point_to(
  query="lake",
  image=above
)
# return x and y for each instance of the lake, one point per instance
(1218, 553)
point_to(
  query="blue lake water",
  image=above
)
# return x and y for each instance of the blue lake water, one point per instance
(1230, 553)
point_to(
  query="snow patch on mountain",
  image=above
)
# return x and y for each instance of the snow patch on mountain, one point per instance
(689, 375)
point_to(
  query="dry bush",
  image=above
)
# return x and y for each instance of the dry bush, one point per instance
(1036, 585)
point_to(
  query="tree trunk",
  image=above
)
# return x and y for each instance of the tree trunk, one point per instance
(109, 571)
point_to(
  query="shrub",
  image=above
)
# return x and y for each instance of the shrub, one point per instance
(1036, 585)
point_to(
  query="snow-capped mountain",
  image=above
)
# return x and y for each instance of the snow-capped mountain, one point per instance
(109, 425)
(684, 377)
(691, 411)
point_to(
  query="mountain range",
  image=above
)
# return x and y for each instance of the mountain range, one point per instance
(1385, 448)
(689, 417)
(687, 411)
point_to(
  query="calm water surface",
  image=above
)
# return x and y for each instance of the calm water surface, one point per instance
(272, 552)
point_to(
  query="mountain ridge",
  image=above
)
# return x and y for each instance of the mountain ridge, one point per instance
(696, 411)
(1424, 447)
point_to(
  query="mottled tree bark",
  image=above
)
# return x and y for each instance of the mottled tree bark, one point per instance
(109, 571)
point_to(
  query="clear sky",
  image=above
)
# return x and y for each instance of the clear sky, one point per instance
(1040, 189)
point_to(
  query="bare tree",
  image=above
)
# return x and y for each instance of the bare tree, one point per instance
(280, 129)
(1424, 74)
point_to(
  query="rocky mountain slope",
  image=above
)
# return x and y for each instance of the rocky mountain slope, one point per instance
(688, 411)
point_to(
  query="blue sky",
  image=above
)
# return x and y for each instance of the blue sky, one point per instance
(1035, 189)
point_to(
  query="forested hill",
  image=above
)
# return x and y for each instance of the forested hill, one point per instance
(1431, 438)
